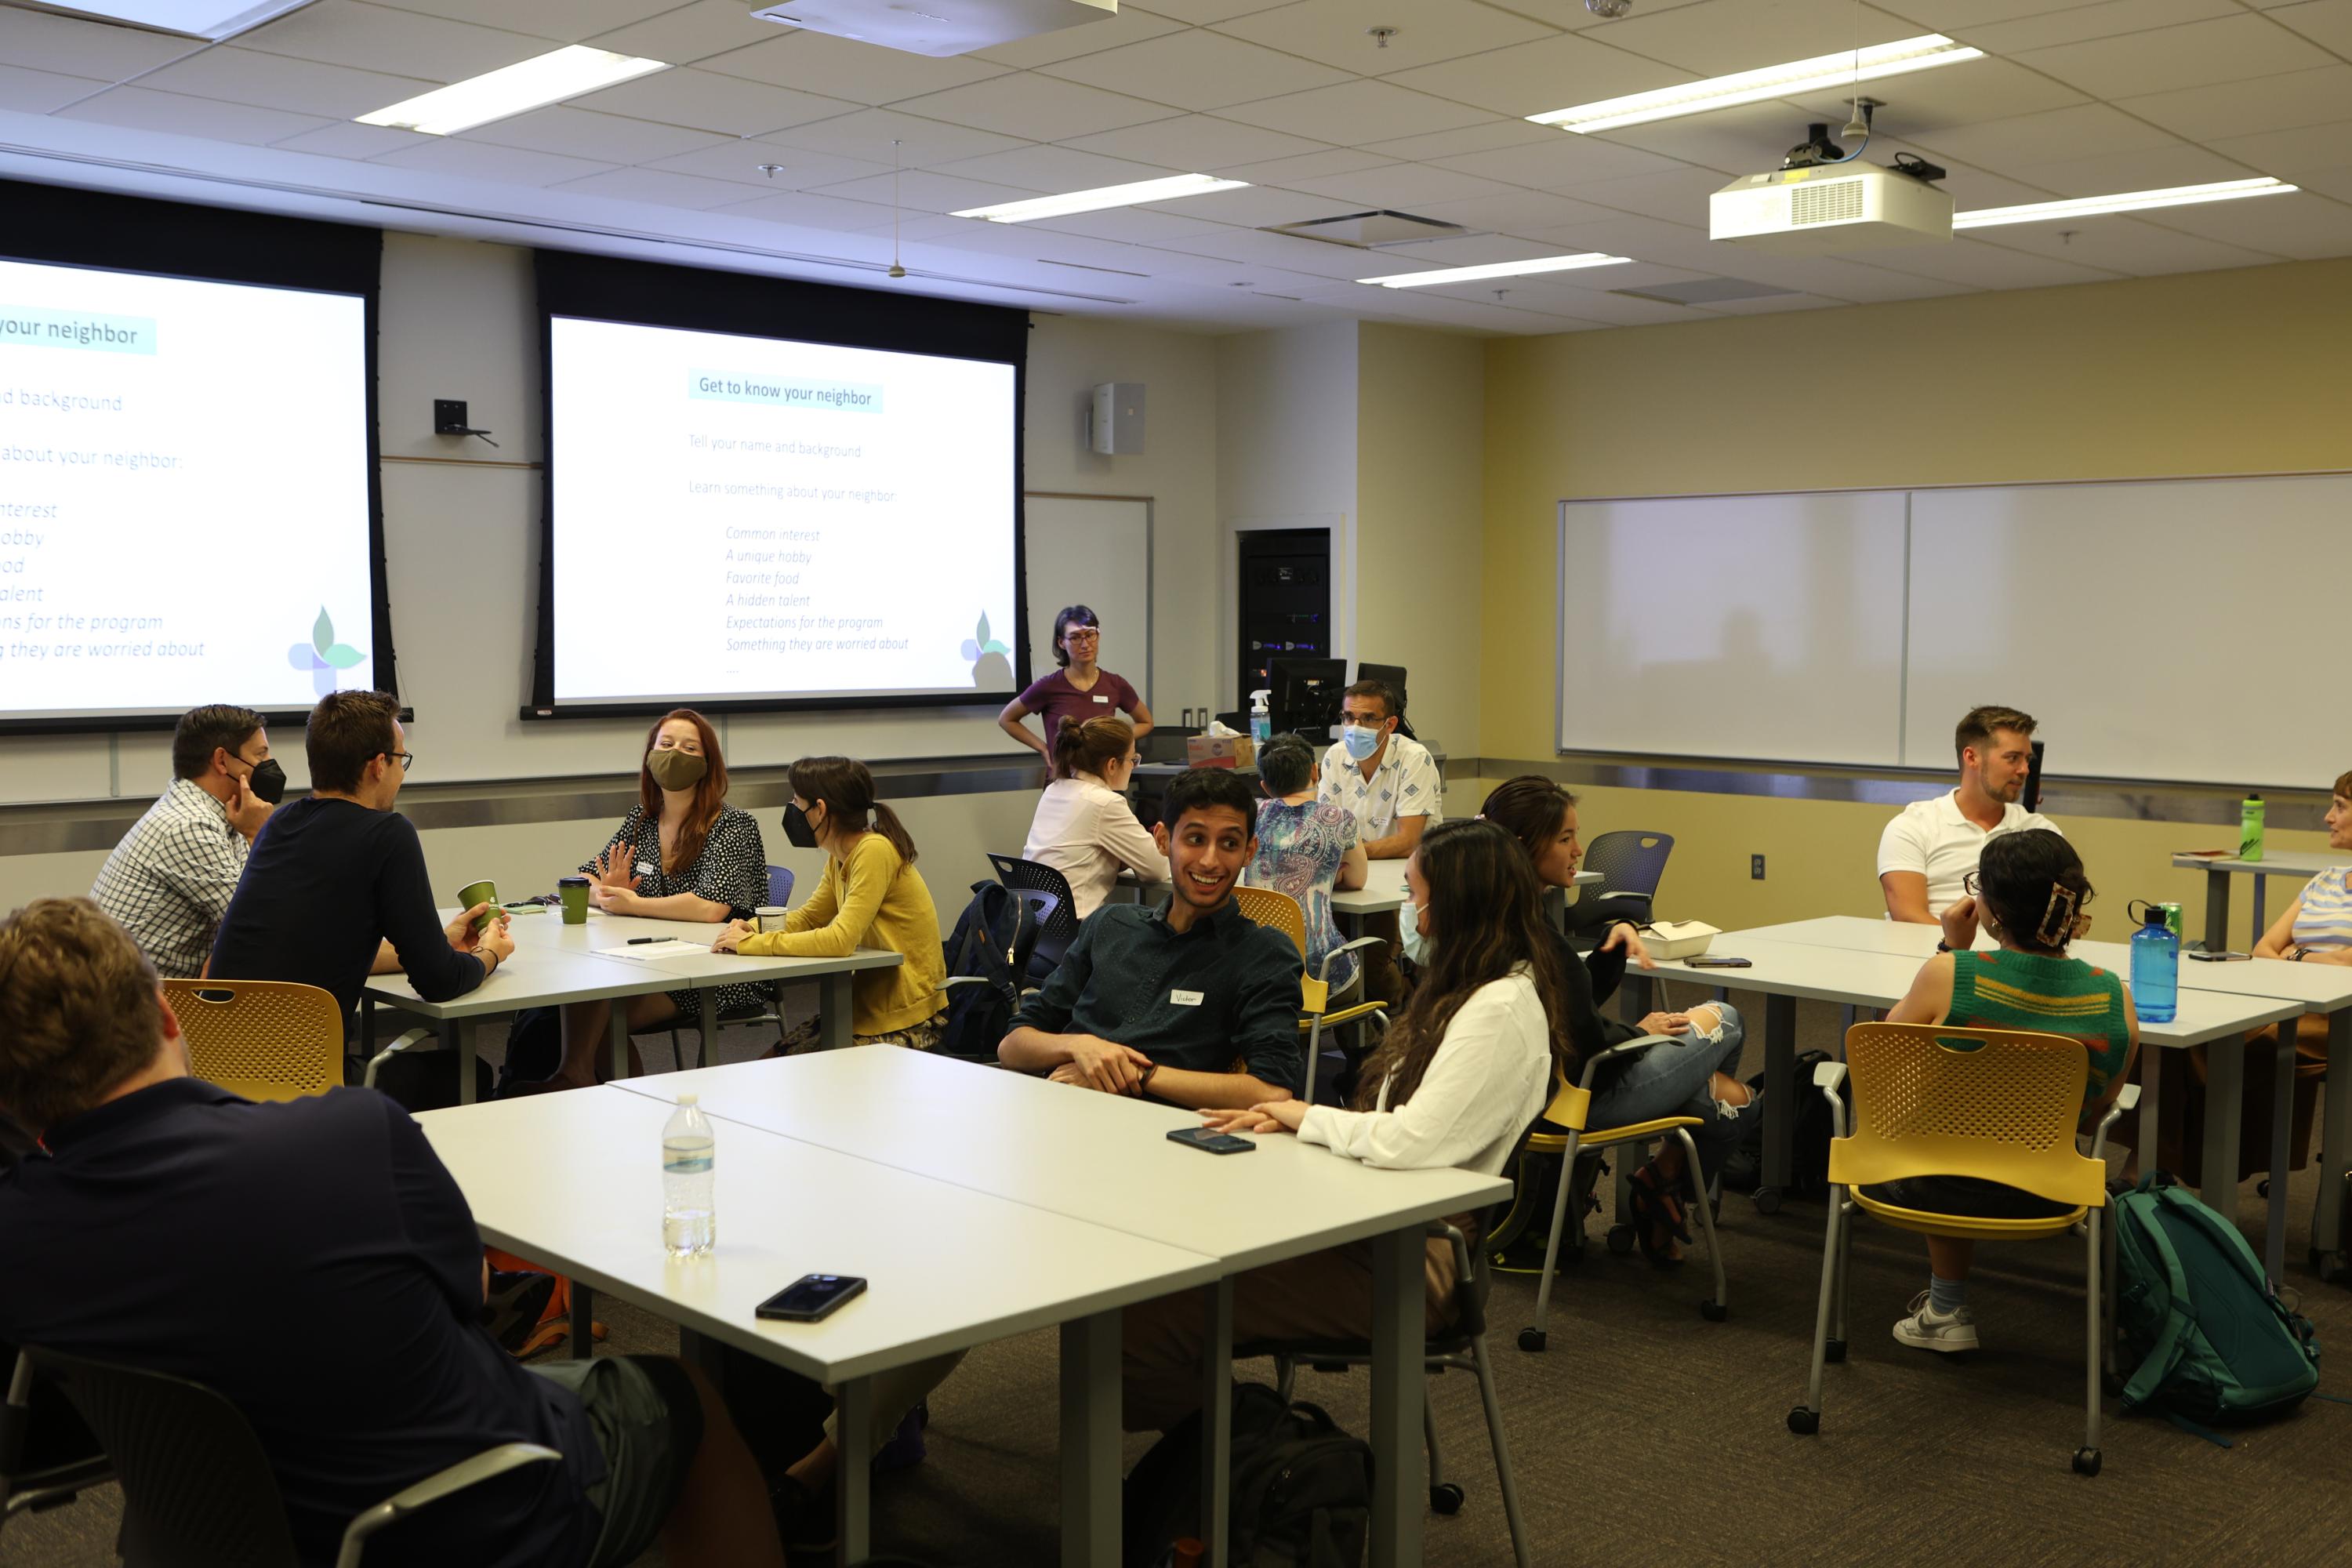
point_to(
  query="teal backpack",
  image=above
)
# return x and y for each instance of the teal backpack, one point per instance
(2213, 1345)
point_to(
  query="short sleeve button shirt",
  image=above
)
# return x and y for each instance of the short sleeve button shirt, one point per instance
(169, 881)
(1405, 783)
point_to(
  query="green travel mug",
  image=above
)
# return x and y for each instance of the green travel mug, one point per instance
(2249, 829)
(573, 890)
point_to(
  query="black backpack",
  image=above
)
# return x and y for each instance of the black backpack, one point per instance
(991, 942)
(1302, 1489)
(1810, 1167)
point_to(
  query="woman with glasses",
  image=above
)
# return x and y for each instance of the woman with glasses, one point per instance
(1081, 689)
(1083, 829)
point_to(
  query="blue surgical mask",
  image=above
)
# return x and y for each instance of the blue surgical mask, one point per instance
(1360, 743)
(1416, 946)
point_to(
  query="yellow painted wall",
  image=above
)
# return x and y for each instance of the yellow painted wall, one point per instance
(2233, 372)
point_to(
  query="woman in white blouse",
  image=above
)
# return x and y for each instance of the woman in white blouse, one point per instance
(1084, 827)
(1466, 1069)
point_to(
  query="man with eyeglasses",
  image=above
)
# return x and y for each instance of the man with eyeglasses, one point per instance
(168, 881)
(336, 890)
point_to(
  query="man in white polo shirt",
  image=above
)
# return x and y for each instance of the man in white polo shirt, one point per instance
(1925, 852)
(1390, 781)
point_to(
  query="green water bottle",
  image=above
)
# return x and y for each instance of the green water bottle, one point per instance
(2250, 828)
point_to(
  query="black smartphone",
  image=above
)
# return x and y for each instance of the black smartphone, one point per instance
(1214, 1142)
(2222, 957)
(1704, 962)
(810, 1297)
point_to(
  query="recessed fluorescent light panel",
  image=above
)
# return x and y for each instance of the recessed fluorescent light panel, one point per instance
(2123, 202)
(213, 19)
(1796, 78)
(527, 84)
(1497, 270)
(1167, 190)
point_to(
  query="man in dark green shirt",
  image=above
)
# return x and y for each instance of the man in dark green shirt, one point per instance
(1165, 1002)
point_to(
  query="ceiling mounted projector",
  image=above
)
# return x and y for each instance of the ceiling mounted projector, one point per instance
(1830, 209)
(938, 27)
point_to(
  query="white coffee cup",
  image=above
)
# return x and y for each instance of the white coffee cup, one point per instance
(769, 917)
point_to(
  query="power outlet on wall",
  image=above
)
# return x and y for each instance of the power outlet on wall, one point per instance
(1756, 868)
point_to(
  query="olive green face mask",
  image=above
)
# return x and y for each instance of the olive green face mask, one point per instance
(675, 769)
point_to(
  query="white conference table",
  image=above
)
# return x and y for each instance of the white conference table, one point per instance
(573, 1183)
(553, 963)
(1383, 892)
(2219, 870)
(1107, 1161)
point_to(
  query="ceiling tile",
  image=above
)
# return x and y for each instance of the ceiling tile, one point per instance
(1130, 226)
(1427, 31)
(1957, 16)
(1535, 77)
(1292, 255)
(140, 109)
(705, 101)
(1201, 13)
(568, 23)
(803, 209)
(1357, 111)
(2077, 24)
(1040, 168)
(1260, 207)
(922, 191)
(690, 32)
(1483, 138)
(1765, 305)
(350, 140)
(2168, 58)
(1967, 260)
(482, 161)
(2087, 130)
(374, 37)
(654, 185)
(846, 68)
(2287, 154)
(2157, 169)
(1678, 196)
(36, 41)
(1199, 142)
(1195, 70)
(278, 81)
(38, 92)
(2288, 103)
(1518, 213)
(797, 168)
(2301, 225)
(1561, 163)
(586, 133)
(1742, 139)
(869, 133)
(1036, 108)
(1715, 39)
(2327, 23)
(1957, 95)
(1402, 188)
(2123, 245)
(1130, 27)
(1306, 166)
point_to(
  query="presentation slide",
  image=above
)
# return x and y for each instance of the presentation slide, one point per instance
(183, 495)
(745, 518)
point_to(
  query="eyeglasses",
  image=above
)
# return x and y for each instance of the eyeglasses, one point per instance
(1969, 885)
(1089, 634)
(406, 760)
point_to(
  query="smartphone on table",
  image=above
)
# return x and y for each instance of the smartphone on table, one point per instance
(1211, 1141)
(810, 1298)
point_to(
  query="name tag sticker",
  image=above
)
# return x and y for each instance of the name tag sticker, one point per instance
(1185, 998)
(645, 869)
(1102, 698)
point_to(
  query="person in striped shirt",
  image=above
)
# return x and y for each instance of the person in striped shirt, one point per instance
(2031, 894)
(2318, 927)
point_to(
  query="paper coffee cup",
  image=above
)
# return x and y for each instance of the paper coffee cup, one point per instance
(769, 917)
(474, 893)
(574, 891)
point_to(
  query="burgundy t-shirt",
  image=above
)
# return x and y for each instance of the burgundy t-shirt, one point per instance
(1054, 696)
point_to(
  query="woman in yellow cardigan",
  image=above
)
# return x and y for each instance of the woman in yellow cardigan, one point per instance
(871, 896)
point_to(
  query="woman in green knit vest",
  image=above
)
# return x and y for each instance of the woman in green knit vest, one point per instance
(2031, 896)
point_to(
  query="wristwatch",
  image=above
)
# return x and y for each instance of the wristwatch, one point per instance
(1943, 947)
(1143, 1084)
(2299, 954)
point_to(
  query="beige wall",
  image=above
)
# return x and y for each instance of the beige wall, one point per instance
(2234, 372)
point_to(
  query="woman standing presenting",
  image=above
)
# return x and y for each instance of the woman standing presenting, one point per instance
(1081, 689)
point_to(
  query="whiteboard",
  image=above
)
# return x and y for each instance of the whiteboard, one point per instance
(1094, 551)
(1750, 626)
(2185, 629)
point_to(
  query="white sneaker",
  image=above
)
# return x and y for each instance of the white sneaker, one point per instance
(1929, 1330)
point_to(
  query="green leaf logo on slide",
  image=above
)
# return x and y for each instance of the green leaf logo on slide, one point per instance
(322, 656)
(980, 648)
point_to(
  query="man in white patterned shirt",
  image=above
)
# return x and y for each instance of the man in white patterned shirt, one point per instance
(1389, 781)
(168, 882)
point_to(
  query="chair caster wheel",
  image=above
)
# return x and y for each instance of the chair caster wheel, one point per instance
(2087, 1462)
(1767, 1200)
(1620, 1240)
(1804, 1423)
(1445, 1497)
(1834, 1351)
(1714, 1311)
(1531, 1340)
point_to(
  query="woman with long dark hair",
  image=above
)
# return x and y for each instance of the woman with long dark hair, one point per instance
(681, 854)
(1465, 1070)
(871, 896)
(1080, 689)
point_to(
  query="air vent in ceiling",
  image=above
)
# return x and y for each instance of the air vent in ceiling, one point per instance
(1704, 291)
(1371, 231)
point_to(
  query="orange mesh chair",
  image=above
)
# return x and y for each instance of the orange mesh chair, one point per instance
(265, 1039)
(1280, 911)
(2001, 1105)
(1569, 1105)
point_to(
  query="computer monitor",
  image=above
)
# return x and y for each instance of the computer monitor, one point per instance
(1307, 694)
(1393, 674)
(2033, 780)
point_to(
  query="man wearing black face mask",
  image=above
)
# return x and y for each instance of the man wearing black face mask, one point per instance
(169, 881)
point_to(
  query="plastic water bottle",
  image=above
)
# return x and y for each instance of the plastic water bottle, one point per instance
(689, 1223)
(2155, 969)
(2249, 830)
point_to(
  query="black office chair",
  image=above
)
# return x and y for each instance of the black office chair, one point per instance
(780, 893)
(53, 1472)
(197, 1490)
(1632, 865)
(1054, 937)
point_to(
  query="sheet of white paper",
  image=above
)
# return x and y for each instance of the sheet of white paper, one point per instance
(670, 948)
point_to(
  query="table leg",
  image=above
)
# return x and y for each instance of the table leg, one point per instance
(2282, 1114)
(2151, 1120)
(1636, 996)
(367, 1029)
(2225, 1079)
(1217, 1418)
(1090, 1440)
(1400, 1354)
(461, 1041)
(617, 1032)
(709, 997)
(852, 1417)
(2217, 912)
(2261, 889)
(833, 1002)
(584, 1321)
(2335, 1150)
(1779, 1111)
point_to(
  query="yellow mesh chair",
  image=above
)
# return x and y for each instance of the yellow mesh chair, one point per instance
(2001, 1105)
(265, 1039)
(1280, 911)
(1569, 1105)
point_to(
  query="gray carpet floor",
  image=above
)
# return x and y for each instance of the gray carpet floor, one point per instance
(1646, 1433)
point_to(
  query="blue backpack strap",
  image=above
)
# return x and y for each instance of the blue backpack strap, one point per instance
(2165, 1353)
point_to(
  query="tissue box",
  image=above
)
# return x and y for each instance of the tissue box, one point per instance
(1678, 939)
(1220, 752)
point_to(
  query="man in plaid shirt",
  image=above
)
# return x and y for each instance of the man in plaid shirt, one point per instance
(169, 881)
